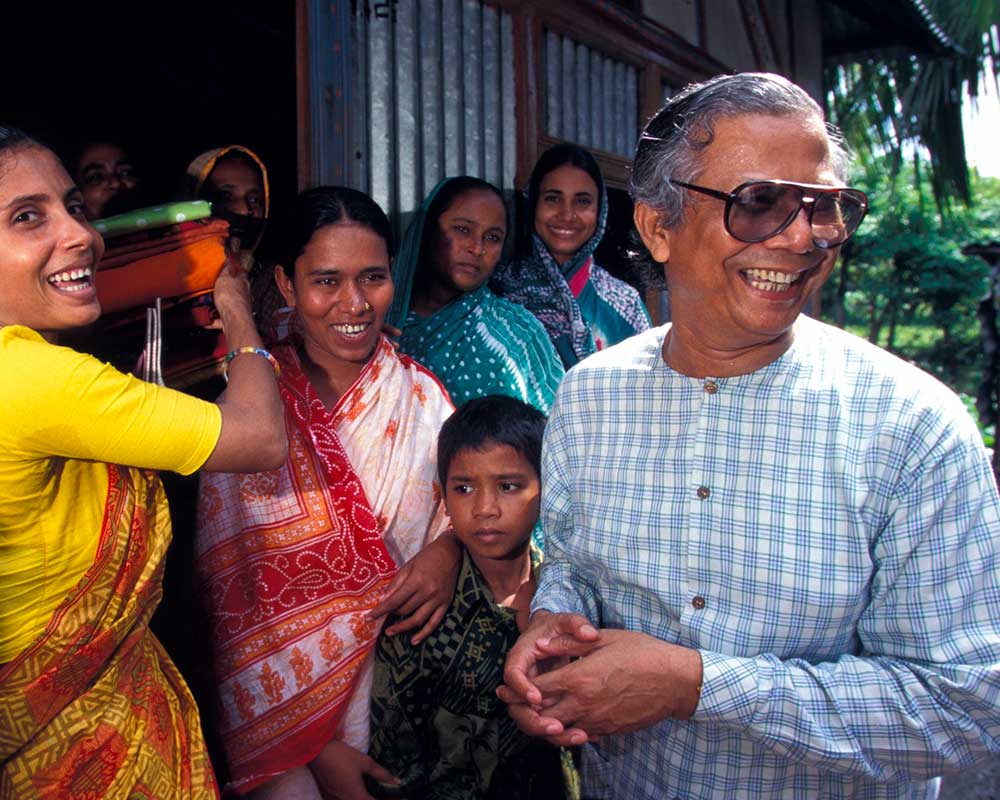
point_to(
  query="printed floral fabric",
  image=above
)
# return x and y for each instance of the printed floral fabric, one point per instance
(478, 344)
(481, 344)
(292, 560)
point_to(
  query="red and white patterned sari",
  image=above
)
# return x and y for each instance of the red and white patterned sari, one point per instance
(291, 560)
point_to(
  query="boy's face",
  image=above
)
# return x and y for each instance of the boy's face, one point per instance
(492, 496)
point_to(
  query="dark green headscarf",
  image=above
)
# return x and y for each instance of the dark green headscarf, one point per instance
(477, 344)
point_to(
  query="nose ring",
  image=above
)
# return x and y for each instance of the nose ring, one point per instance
(368, 306)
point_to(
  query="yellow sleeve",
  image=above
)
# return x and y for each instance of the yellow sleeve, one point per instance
(58, 402)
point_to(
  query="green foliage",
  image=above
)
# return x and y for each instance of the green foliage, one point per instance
(903, 281)
(988, 432)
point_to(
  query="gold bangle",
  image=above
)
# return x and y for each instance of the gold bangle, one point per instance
(260, 351)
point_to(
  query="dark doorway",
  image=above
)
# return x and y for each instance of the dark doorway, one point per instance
(614, 251)
(166, 81)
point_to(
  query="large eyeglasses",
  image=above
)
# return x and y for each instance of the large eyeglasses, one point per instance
(758, 210)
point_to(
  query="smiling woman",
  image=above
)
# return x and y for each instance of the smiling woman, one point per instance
(83, 521)
(582, 307)
(291, 562)
(52, 252)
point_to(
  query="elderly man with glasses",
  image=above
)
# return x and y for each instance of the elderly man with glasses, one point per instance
(773, 548)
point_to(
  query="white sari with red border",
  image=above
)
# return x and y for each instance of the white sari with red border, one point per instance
(291, 560)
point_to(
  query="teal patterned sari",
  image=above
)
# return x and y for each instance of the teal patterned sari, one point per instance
(478, 344)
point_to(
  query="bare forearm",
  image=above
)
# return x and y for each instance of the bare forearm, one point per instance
(238, 324)
(253, 431)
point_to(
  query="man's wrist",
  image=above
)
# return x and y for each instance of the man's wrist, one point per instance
(691, 685)
(682, 668)
(733, 687)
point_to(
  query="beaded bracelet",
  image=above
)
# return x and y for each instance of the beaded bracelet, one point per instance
(260, 351)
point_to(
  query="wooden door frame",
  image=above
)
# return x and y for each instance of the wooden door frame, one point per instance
(659, 55)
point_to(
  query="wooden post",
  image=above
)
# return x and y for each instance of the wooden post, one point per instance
(527, 97)
(302, 90)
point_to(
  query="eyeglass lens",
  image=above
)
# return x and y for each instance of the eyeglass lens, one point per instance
(762, 210)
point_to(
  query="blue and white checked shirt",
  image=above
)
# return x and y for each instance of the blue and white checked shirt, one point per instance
(825, 531)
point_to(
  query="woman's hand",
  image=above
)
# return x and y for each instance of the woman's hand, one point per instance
(422, 589)
(340, 772)
(231, 294)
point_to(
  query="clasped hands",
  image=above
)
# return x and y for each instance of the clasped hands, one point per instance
(620, 681)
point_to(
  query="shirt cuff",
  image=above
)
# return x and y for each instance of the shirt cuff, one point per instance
(559, 602)
(732, 688)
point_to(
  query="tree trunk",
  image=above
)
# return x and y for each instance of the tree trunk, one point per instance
(839, 303)
(986, 396)
(988, 393)
(877, 319)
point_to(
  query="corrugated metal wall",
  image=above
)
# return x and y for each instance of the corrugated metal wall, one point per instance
(434, 97)
(330, 93)
(590, 99)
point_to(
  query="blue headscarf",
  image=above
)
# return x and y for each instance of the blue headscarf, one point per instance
(537, 282)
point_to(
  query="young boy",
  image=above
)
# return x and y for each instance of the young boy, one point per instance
(437, 724)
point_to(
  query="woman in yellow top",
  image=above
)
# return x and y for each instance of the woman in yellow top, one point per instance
(90, 705)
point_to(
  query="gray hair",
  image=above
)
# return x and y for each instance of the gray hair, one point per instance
(671, 142)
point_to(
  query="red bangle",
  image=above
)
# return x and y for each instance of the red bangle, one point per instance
(260, 351)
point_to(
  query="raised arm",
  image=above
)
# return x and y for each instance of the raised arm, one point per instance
(72, 405)
(253, 426)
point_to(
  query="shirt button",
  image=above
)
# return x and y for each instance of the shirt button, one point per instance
(711, 387)
(698, 602)
(703, 492)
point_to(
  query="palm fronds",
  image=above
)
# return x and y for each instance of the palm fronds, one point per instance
(889, 101)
